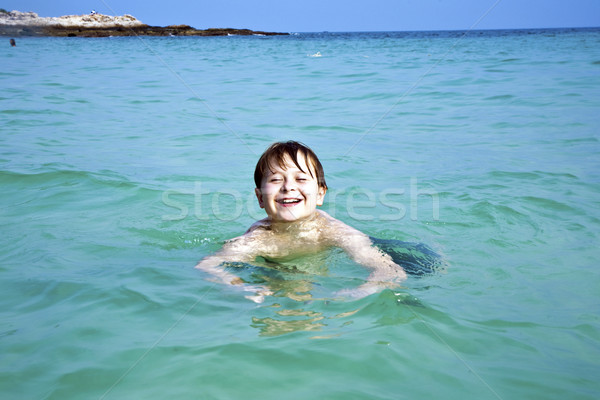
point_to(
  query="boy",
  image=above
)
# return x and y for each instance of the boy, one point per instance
(290, 184)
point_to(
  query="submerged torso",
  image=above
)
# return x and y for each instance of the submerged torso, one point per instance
(301, 246)
(281, 243)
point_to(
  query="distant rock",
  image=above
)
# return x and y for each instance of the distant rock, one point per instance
(17, 23)
(80, 21)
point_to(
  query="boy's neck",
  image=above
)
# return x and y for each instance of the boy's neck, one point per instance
(299, 224)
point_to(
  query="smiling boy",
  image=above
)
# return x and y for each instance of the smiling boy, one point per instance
(290, 184)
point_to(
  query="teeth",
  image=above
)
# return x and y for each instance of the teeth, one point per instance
(287, 201)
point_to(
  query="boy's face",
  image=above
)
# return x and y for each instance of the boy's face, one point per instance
(288, 194)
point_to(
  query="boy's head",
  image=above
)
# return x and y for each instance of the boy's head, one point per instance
(278, 153)
(290, 182)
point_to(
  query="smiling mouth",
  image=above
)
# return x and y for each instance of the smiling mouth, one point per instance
(289, 202)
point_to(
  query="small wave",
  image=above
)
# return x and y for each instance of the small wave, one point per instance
(11, 74)
(582, 140)
(65, 178)
(549, 204)
(361, 75)
(533, 175)
(171, 239)
(150, 101)
(317, 54)
(35, 112)
(501, 97)
(330, 128)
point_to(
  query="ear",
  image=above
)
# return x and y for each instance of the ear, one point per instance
(258, 194)
(321, 195)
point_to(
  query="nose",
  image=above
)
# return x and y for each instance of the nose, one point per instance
(288, 185)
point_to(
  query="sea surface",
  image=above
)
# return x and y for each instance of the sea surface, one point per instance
(124, 161)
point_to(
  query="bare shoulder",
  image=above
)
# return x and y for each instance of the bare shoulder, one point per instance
(254, 234)
(337, 231)
(261, 225)
(337, 226)
(244, 247)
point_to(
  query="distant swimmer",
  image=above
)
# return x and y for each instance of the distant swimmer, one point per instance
(13, 43)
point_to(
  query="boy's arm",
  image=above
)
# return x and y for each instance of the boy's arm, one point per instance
(212, 265)
(236, 250)
(385, 273)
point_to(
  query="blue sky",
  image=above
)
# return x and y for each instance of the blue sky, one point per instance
(334, 15)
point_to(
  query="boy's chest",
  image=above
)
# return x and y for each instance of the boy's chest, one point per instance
(284, 247)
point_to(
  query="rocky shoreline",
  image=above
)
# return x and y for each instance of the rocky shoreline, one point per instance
(18, 24)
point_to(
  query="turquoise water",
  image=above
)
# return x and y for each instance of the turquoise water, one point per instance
(124, 161)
